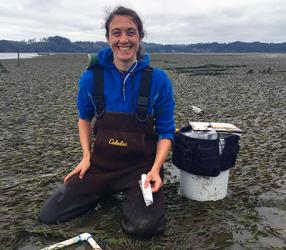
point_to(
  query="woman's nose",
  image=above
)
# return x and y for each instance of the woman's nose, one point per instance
(123, 38)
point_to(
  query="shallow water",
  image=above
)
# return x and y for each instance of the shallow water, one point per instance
(15, 55)
(39, 145)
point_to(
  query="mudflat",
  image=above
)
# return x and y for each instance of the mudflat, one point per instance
(39, 144)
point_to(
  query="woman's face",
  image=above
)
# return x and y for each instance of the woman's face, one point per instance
(124, 39)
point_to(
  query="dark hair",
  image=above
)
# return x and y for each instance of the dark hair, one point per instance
(122, 11)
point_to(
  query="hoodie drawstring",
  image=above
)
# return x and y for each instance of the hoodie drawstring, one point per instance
(125, 79)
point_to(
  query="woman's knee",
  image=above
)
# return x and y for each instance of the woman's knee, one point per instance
(51, 210)
(47, 215)
(144, 227)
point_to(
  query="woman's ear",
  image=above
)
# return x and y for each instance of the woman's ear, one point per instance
(107, 38)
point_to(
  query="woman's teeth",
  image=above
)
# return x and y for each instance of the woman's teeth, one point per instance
(124, 48)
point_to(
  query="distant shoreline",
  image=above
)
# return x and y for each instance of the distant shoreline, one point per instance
(10, 56)
(61, 44)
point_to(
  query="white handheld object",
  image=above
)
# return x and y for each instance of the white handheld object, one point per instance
(147, 192)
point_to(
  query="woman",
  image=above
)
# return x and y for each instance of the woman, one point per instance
(133, 104)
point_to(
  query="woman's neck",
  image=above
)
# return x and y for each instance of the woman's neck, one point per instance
(121, 66)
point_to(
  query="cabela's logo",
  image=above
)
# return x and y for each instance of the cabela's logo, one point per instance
(118, 143)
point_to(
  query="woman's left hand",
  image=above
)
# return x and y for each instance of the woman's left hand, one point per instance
(153, 178)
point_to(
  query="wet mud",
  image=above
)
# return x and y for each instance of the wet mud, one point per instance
(39, 144)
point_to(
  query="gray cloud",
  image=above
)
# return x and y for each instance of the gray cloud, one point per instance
(166, 21)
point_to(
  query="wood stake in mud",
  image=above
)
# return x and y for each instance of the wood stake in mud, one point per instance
(18, 59)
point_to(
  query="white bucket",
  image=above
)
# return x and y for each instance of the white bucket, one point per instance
(204, 188)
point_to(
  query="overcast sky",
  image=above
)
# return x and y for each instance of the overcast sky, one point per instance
(165, 21)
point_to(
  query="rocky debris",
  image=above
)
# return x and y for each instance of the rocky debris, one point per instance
(205, 69)
(2, 69)
(266, 71)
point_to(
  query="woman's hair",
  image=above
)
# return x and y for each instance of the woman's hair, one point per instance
(122, 11)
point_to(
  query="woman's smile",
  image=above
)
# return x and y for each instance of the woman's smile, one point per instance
(124, 40)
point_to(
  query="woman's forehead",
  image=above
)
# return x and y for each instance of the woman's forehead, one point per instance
(122, 22)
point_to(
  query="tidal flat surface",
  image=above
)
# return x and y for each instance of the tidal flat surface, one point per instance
(39, 145)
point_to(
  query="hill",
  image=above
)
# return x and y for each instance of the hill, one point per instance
(58, 44)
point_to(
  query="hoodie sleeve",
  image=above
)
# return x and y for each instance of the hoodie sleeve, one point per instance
(85, 103)
(164, 108)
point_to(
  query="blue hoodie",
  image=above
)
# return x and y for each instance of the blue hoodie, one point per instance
(121, 94)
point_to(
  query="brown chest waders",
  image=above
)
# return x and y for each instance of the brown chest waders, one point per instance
(124, 148)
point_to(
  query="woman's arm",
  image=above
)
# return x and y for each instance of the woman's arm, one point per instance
(164, 127)
(85, 129)
(162, 151)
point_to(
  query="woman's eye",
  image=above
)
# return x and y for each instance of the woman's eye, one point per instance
(131, 33)
(116, 33)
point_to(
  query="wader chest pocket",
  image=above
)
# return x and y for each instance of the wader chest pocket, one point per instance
(119, 144)
(202, 157)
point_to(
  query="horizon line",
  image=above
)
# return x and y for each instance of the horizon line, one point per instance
(35, 40)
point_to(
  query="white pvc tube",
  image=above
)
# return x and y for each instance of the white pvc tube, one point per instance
(90, 240)
(82, 237)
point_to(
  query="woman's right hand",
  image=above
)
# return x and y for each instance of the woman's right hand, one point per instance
(81, 168)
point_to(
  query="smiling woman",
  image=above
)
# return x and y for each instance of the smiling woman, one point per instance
(124, 40)
(133, 18)
(134, 106)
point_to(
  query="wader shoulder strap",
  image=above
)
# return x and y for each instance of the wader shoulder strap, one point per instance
(143, 98)
(98, 79)
(144, 92)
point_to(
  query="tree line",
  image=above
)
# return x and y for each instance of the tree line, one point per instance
(58, 44)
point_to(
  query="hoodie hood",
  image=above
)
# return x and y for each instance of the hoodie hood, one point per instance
(105, 58)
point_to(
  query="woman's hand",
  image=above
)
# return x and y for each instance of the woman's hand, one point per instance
(153, 178)
(162, 151)
(81, 168)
